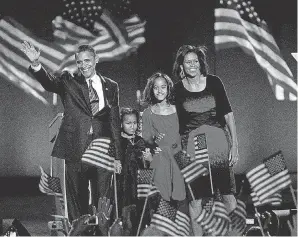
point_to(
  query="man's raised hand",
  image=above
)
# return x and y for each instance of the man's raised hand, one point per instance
(31, 52)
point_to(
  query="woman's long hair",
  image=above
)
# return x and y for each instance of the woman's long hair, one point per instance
(148, 95)
(200, 51)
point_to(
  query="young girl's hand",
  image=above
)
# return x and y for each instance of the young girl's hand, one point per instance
(147, 155)
(117, 166)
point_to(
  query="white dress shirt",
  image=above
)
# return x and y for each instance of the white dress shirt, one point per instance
(97, 85)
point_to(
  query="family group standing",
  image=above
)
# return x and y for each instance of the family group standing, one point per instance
(174, 116)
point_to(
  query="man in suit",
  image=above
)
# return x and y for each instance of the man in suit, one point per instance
(91, 110)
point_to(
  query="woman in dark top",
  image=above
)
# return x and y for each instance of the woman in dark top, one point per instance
(203, 108)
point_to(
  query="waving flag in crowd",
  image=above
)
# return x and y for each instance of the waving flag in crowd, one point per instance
(273, 200)
(270, 177)
(49, 185)
(145, 185)
(100, 154)
(214, 218)
(170, 220)
(192, 168)
(238, 217)
(237, 24)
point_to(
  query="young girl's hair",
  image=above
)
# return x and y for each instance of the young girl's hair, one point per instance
(129, 111)
(148, 95)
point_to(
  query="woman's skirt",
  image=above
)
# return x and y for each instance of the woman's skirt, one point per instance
(216, 141)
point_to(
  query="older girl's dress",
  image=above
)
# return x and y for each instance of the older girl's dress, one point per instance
(203, 113)
(167, 178)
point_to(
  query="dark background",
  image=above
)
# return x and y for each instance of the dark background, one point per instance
(264, 125)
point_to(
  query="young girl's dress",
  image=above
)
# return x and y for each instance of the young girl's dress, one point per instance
(131, 163)
(133, 152)
(167, 178)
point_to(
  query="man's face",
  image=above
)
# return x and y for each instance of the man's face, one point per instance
(86, 62)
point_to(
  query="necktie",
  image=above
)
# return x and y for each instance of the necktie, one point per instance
(94, 101)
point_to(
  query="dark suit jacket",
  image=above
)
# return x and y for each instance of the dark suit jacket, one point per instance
(72, 138)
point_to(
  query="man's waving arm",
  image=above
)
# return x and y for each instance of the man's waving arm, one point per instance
(47, 80)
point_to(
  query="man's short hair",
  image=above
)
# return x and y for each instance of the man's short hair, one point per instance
(84, 48)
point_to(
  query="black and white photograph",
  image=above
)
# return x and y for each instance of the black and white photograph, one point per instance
(148, 118)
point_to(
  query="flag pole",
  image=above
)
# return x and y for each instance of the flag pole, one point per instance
(191, 192)
(259, 221)
(115, 195)
(293, 195)
(142, 216)
(209, 167)
(144, 206)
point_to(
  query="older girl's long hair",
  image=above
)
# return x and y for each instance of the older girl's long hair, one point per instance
(148, 95)
(200, 51)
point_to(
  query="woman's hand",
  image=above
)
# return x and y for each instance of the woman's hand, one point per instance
(233, 156)
(30, 51)
(158, 137)
(157, 150)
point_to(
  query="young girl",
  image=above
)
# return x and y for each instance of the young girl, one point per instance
(135, 157)
(161, 128)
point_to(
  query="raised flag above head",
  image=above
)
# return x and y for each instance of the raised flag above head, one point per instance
(270, 177)
(100, 154)
(89, 22)
(238, 24)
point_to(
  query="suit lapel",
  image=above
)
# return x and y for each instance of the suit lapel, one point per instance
(85, 91)
(105, 89)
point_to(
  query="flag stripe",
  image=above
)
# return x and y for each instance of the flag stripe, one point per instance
(98, 154)
(17, 36)
(262, 40)
(164, 224)
(232, 31)
(266, 65)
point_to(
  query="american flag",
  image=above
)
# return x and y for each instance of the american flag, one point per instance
(273, 200)
(82, 22)
(238, 217)
(90, 23)
(49, 185)
(170, 220)
(270, 177)
(214, 218)
(14, 63)
(101, 154)
(145, 185)
(238, 24)
(192, 168)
